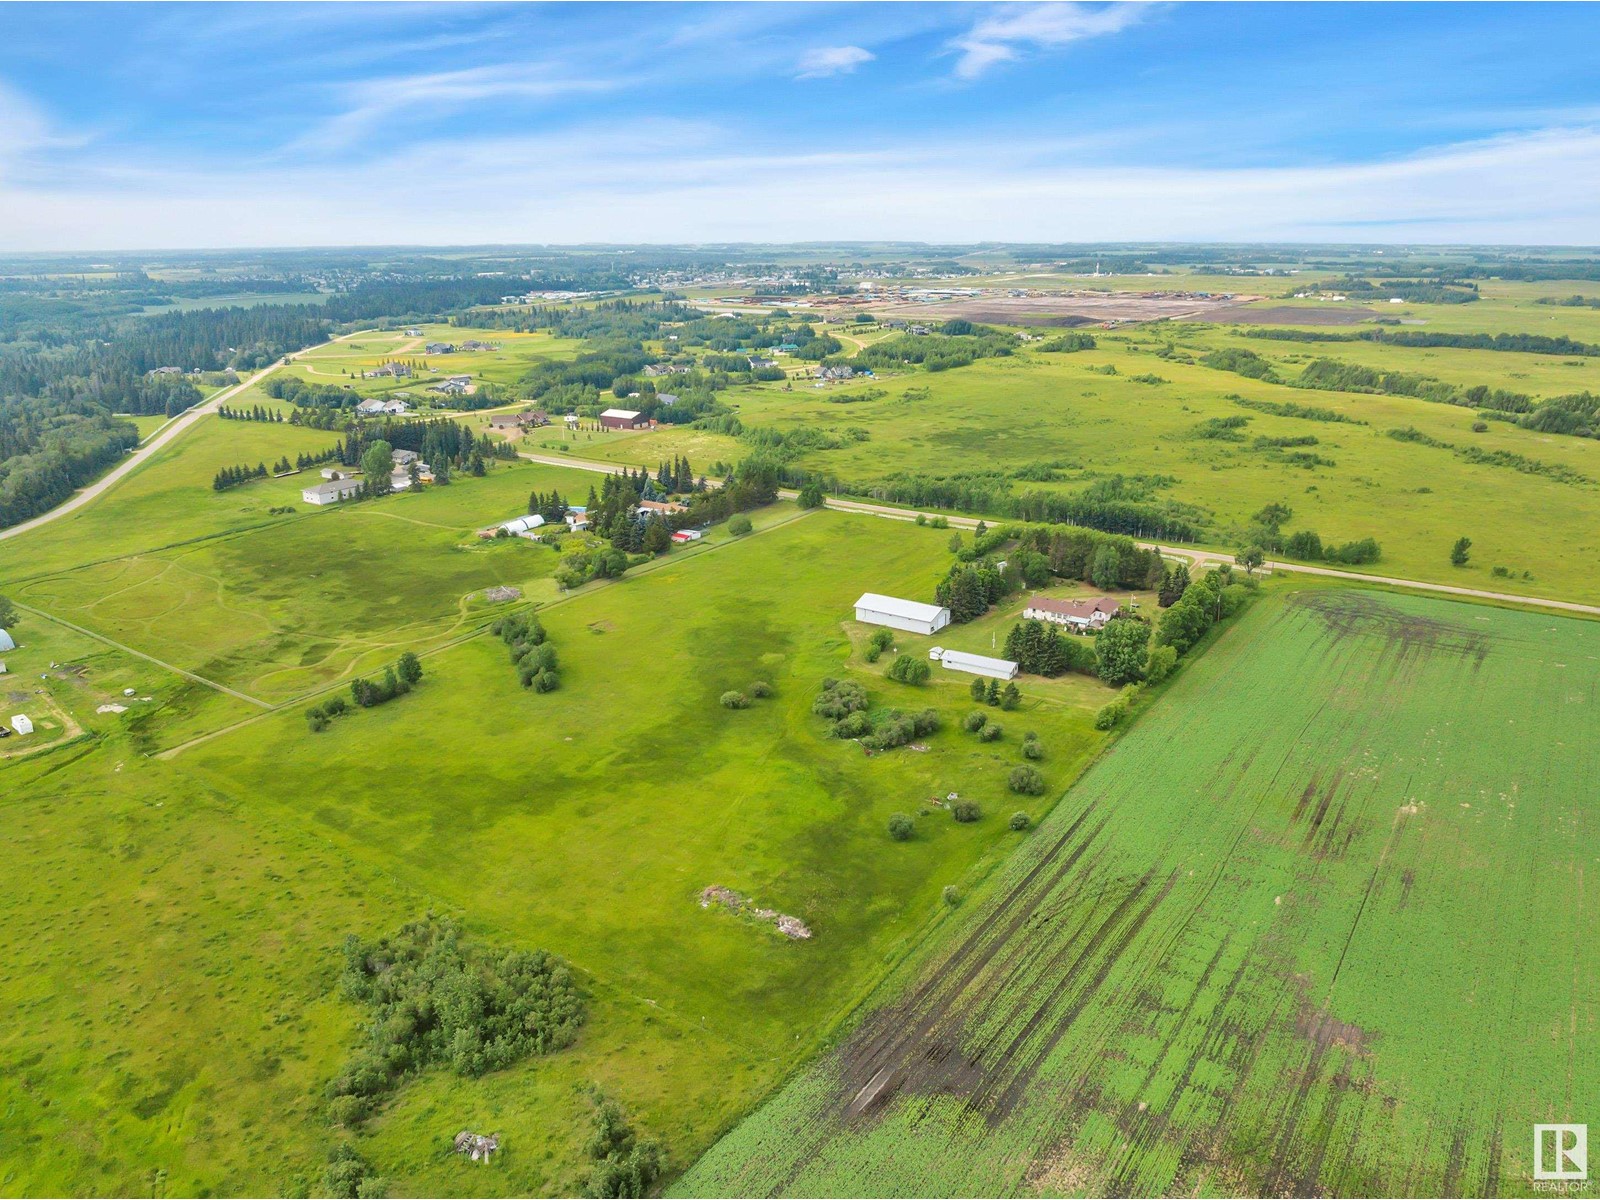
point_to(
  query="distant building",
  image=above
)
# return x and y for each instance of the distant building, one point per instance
(572, 420)
(394, 369)
(22, 724)
(370, 408)
(979, 664)
(577, 518)
(7, 642)
(165, 371)
(664, 507)
(688, 535)
(474, 345)
(404, 458)
(622, 418)
(439, 348)
(522, 420)
(1075, 614)
(331, 492)
(520, 526)
(666, 398)
(909, 615)
(340, 472)
(413, 333)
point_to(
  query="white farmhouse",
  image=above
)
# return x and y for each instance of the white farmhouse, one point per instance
(978, 664)
(873, 609)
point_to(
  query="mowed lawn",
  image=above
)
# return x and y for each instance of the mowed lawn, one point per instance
(588, 821)
(304, 600)
(1317, 926)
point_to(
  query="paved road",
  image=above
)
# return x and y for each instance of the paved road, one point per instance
(138, 457)
(1199, 557)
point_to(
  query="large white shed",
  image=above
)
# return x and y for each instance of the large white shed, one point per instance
(521, 525)
(979, 664)
(7, 642)
(21, 724)
(873, 609)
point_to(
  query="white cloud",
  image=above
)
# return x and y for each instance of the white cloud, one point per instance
(683, 184)
(832, 60)
(1003, 36)
(373, 101)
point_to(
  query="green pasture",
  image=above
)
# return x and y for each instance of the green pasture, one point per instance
(221, 881)
(283, 608)
(343, 362)
(1294, 935)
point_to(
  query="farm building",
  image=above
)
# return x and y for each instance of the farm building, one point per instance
(522, 525)
(21, 724)
(978, 664)
(873, 609)
(7, 642)
(331, 492)
(340, 472)
(370, 408)
(666, 398)
(688, 535)
(1075, 614)
(622, 418)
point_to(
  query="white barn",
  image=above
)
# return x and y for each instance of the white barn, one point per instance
(331, 492)
(873, 609)
(978, 664)
(21, 724)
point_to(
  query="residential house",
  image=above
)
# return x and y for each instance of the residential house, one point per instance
(404, 458)
(370, 408)
(1079, 615)
(666, 398)
(475, 345)
(875, 609)
(439, 348)
(664, 507)
(393, 370)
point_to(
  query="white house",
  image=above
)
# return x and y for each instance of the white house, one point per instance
(520, 525)
(873, 609)
(1079, 615)
(21, 724)
(978, 664)
(331, 492)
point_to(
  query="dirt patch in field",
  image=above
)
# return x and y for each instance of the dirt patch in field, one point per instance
(1241, 314)
(1352, 614)
(1064, 309)
(1323, 1030)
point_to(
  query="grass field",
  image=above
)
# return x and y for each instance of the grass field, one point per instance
(1295, 935)
(586, 821)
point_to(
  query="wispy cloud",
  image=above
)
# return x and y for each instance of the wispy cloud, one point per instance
(373, 101)
(832, 60)
(1016, 28)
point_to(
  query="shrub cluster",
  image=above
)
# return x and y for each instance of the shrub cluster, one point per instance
(397, 680)
(880, 641)
(624, 1164)
(909, 670)
(531, 652)
(437, 1000)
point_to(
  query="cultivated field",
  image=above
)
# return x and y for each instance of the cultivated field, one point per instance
(1310, 929)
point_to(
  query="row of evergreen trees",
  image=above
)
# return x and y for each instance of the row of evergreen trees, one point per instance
(231, 477)
(256, 412)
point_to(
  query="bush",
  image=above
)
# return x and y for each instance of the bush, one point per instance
(911, 671)
(974, 721)
(547, 681)
(1019, 822)
(966, 812)
(855, 725)
(872, 653)
(739, 525)
(759, 689)
(349, 1176)
(317, 719)
(883, 639)
(990, 733)
(1026, 781)
(951, 895)
(839, 698)
(1161, 662)
(735, 700)
(901, 827)
(1031, 749)
(1111, 714)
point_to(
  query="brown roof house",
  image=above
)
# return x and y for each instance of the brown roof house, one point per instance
(1080, 615)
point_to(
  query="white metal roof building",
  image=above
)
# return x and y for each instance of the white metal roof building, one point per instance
(909, 615)
(331, 492)
(978, 664)
(522, 524)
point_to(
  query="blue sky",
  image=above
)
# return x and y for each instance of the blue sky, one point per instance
(159, 125)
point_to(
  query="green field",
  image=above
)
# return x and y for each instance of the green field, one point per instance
(1312, 928)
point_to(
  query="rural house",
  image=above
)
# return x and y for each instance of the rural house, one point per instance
(664, 507)
(1079, 615)
(439, 348)
(666, 398)
(976, 664)
(909, 615)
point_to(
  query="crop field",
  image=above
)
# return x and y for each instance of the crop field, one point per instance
(1292, 936)
(343, 362)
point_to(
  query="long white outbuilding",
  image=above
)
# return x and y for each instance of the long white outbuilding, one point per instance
(909, 615)
(979, 664)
